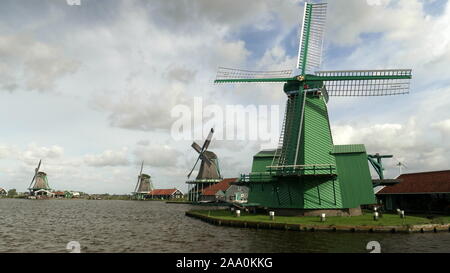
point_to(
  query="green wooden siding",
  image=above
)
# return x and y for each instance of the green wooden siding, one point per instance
(354, 179)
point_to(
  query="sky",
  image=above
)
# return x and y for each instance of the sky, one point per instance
(90, 89)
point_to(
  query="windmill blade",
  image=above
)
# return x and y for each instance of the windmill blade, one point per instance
(35, 172)
(208, 140)
(231, 75)
(311, 38)
(365, 82)
(32, 180)
(198, 158)
(139, 177)
(142, 167)
(39, 166)
(196, 147)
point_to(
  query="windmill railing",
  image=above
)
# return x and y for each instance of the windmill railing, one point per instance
(273, 172)
(262, 177)
(199, 181)
(298, 170)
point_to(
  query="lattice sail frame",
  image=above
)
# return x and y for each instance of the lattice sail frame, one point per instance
(228, 75)
(360, 83)
(311, 38)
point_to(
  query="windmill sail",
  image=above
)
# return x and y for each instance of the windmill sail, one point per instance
(139, 177)
(35, 173)
(231, 75)
(366, 82)
(311, 38)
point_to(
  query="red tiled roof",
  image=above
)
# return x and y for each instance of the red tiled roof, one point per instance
(162, 192)
(222, 185)
(58, 193)
(427, 182)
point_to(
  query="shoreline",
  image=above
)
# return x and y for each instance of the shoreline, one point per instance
(221, 221)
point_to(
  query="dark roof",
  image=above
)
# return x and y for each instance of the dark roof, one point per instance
(427, 182)
(162, 191)
(221, 186)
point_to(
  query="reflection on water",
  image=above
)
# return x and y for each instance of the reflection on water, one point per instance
(133, 226)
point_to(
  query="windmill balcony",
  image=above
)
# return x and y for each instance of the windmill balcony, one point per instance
(324, 170)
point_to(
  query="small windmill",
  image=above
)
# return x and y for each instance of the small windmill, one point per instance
(304, 169)
(209, 172)
(400, 166)
(143, 186)
(40, 186)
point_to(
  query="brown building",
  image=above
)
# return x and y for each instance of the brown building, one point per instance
(427, 192)
(216, 192)
(165, 194)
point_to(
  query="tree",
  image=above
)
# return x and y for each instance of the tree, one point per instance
(12, 192)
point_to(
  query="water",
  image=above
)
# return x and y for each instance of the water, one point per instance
(133, 226)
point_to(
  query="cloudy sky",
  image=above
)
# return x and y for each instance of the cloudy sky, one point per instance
(90, 88)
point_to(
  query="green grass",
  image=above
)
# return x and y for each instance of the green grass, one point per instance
(441, 220)
(363, 220)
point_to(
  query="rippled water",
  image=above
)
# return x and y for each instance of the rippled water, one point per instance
(133, 226)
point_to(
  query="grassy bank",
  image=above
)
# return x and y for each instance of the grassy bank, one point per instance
(363, 220)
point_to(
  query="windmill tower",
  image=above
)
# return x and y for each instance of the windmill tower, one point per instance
(209, 172)
(39, 184)
(306, 171)
(143, 186)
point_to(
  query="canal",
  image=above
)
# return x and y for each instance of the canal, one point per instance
(133, 226)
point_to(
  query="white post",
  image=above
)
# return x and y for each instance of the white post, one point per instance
(238, 213)
(375, 216)
(402, 214)
(272, 215)
(322, 217)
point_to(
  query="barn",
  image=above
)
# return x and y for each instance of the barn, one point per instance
(166, 194)
(425, 192)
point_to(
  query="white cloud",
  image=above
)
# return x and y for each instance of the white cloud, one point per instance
(108, 158)
(31, 64)
(33, 153)
(158, 155)
(444, 127)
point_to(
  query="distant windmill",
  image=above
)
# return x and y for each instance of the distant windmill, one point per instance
(209, 168)
(400, 166)
(143, 186)
(40, 186)
(209, 172)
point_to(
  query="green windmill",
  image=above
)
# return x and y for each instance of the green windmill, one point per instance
(307, 171)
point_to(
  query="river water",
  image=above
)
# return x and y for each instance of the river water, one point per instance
(136, 226)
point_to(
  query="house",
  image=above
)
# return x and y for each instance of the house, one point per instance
(165, 194)
(237, 194)
(59, 194)
(426, 192)
(3, 192)
(217, 192)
